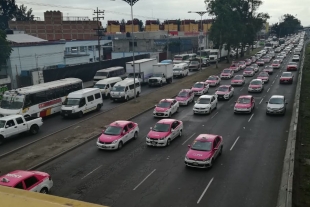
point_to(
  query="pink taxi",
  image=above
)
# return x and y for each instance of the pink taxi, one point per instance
(242, 64)
(264, 76)
(235, 67)
(166, 107)
(227, 74)
(34, 181)
(244, 104)
(204, 150)
(238, 80)
(248, 62)
(164, 132)
(276, 64)
(185, 97)
(213, 80)
(117, 134)
(200, 88)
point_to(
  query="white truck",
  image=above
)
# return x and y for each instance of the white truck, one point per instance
(15, 124)
(162, 74)
(216, 55)
(143, 69)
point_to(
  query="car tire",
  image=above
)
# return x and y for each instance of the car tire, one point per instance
(127, 99)
(180, 133)
(1, 140)
(80, 114)
(120, 145)
(34, 129)
(44, 191)
(168, 142)
(215, 106)
(169, 115)
(221, 151)
(135, 136)
(138, 94)
(98, 107)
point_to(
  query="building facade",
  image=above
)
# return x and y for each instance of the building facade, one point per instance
(57, 27)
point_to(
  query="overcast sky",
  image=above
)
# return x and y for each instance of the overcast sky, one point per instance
(160, 9)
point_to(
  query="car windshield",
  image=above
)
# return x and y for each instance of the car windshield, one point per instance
(233, 65)
(244, 100)
(2, 124)
(254, 65)
(223, 89)
(248, 69)
(118, 88)
(194, 62)
(164, 104)
(268, 67)
(72, 101)
(260, 60)
(12, 102)
(101, 86)
(177, 69)
(276, 101)
(276, 62)
(101, 74)
(262, 75)
(113, 130)
(226, 71)
(292, 63)
(203, 100)
(256, 82)
(198, 85)
(159, 127)
(201, 146)
(212, 78)
(157, 75)
(286, 75)
(238, 77)
(241, 62)
(183, 94)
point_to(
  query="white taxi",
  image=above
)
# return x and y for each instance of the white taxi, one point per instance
(205, 104)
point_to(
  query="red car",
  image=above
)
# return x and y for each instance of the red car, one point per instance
(204, 150)
(286, 77)
(291, 66)
(235, 67)
(244, 104)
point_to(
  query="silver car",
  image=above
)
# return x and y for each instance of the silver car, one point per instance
(276, 105)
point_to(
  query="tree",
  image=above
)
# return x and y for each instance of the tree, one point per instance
(22, 14)
(8, 10)
(123, 22)
(140, 25)
(287, 25)
(5, 48)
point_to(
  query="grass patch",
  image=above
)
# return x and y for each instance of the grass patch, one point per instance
(301, 183)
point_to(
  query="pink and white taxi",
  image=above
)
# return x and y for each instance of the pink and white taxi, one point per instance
(200, 88)
(238, 80)
(244, 104)
(256, 85)
(213, 80)
(276, 64)
(117, 134)
(34, 181)
(185, 97)
(204, 150)
(235, 67)
(242, 64)
(225, 92)
(248, 71)
(227, 74)
(164, 132)
(264, 76)
(166, 107)
(248, 62)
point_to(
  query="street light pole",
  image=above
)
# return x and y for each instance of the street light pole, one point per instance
(201, 13)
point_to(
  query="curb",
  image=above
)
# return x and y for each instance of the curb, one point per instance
(286, 187)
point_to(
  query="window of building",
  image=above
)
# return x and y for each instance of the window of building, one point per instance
(82, 49)
(74, 49)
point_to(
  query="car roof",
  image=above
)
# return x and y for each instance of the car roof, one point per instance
(11, 181)
(186, 90)
(227, 69)
(166, 121)
(206, 137)
(120, 123)
(245, 96)
(6, 118)
(239, 75)
(277, 96)
(200, 82)
(225, 85)
(167, 100)
(256, 80)
(287, 72)
(206, 96)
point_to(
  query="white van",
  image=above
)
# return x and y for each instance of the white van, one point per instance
(109, 73)
(81, 102)
(124, 90)
(180, 70)
(106, 85)
(192, 56)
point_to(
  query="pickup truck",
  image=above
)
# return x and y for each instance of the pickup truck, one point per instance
(16, 124)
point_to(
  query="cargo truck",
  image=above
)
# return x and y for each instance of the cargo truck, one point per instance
(143, 69)
(162, 74)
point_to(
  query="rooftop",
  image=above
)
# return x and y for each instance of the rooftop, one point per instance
(24, 38)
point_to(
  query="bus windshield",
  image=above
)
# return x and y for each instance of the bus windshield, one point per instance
(12, 102)
(101, 74)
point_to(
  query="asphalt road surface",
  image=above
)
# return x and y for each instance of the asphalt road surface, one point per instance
(247, 174)
(56, 122)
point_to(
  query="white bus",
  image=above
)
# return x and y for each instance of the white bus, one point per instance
(180, 58)
(38, 100)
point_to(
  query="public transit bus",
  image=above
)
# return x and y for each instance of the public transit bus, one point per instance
(38, 100)
(21, 198)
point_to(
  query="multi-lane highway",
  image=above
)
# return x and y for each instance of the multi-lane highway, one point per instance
(55, 123)
(247, 174)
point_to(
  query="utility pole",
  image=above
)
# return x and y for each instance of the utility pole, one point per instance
(99, 32)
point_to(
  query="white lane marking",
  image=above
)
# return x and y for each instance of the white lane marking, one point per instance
(295, 127)
(188, 138)
(241, 88)
(277, 75)
(272, 82)
(268, 90)
(144, 179)
(251, 117)
(214, 115)
(261, 101)
(76, 127)
(234, 143)
(205, 190)
(91, 172)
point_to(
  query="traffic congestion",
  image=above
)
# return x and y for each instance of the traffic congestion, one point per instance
(185, 118)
